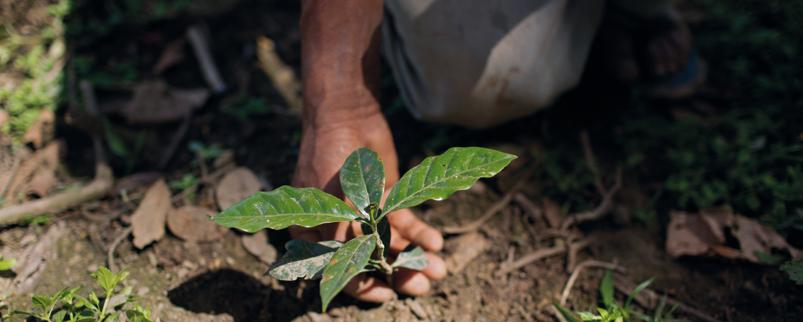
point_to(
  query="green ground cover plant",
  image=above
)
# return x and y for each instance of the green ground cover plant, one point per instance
(362, 178)
(612, 311)
(112, 304)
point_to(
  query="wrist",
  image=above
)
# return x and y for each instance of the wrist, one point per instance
(338, 112)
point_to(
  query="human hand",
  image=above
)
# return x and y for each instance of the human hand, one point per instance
(323, 150)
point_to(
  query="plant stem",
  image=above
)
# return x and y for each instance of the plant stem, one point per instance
(379, 251)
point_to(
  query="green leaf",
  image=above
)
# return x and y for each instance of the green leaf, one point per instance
(637, 290)
(437, 177)
(588, 316)
(568, 315)
(347, 262)
(42, 302)
(107, 279)
(795, 270)
(284, 207)
(59, 316)
(606, 289)
(413, 259)
(362, 179)
(304, 260)
(6, 264)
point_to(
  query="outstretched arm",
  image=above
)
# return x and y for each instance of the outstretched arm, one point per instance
(340, 71)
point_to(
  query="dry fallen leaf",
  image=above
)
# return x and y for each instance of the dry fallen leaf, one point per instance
(257, 244)
(42, 129)
(148, 221)
(192, 224)
(155, 102)
(39, 170)
(235, 186)
(172, 54)
(707, 233)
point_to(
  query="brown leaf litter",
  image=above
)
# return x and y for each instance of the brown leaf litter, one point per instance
(155, 102)
(148, 221)
(708, 232)
(192, 224)
(236, 185)
(257, 244)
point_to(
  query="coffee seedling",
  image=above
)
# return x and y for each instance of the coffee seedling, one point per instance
(362, 179)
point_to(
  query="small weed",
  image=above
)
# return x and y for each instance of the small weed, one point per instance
(108, 306)
(611, 311)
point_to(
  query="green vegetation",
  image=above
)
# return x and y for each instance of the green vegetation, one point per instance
(30, 68)
(611, 311)
(362, 178)
(111, 305)
(6, 263)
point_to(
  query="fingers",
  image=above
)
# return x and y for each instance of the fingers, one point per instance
(417, 283)
(411, 282)
(436, 270)
(411, 228)
(369, 289)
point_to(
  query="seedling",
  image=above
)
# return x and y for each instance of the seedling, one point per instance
(362, 179)
(111, 305)
(611, 311)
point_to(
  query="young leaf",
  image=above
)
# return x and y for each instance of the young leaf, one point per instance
(437, 177)
(362, 179)
(284, 207)
(637, 290)
(347, 262)
(107, 279)
(6, 264)
(606, 289)
(304, 260)
(413, 259)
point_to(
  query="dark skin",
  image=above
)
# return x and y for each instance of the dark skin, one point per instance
(340, 68)
(340, 64)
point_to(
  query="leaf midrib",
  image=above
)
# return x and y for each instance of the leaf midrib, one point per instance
(436, 182)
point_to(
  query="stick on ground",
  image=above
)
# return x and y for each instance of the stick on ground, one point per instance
(567, 289)
(98, 187)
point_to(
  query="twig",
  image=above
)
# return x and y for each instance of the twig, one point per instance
(557, 314)
(496, 207)
(14, 169)
(576, 273)
(178, 136)
(99, 186)
(596, 213)
(200, 47)
(534, 211)
(540, 254)
(652, 297)
(282, 76)
(113, 247)
(591, 161)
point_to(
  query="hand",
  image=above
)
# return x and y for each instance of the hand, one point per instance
(324, 148)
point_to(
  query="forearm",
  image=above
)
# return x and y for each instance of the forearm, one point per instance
(340, 60)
